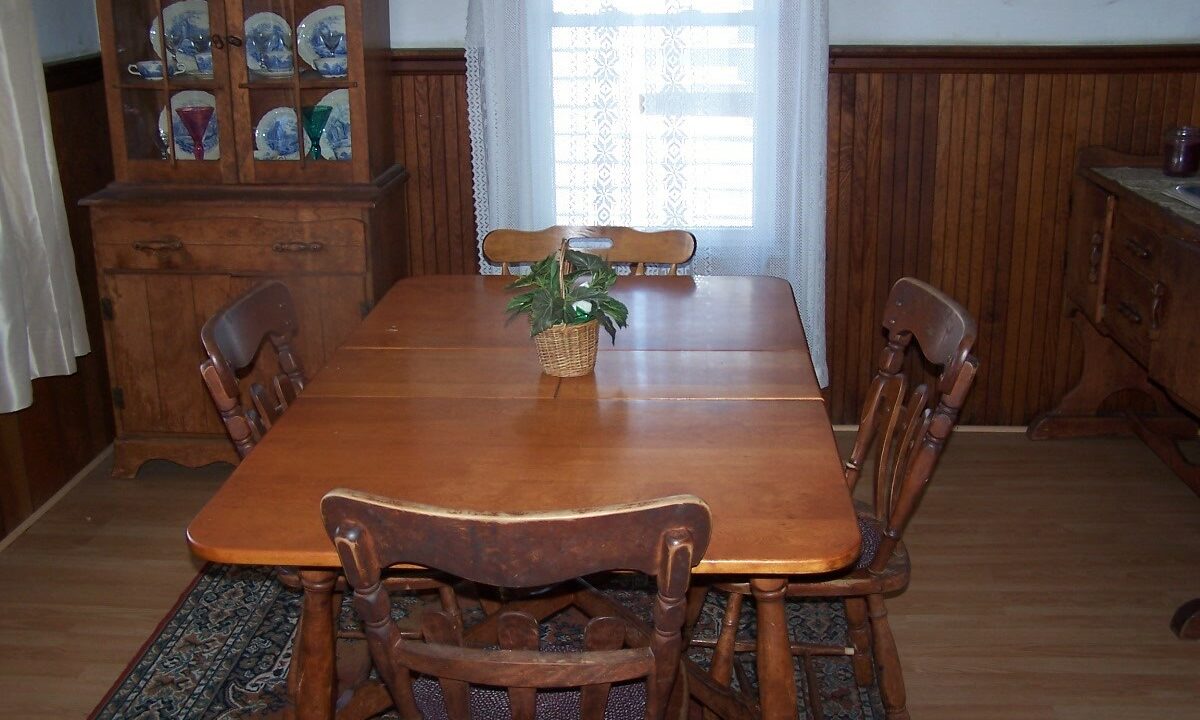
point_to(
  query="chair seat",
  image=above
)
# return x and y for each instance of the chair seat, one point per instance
(626, 701)
(871, 532)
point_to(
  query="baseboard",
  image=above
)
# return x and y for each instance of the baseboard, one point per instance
(28, 522)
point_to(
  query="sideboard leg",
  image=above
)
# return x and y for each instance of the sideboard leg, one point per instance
(1107, 369)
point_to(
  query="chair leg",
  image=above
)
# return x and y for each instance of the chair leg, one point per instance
(860, 638)
(722, 658)
(887, 658)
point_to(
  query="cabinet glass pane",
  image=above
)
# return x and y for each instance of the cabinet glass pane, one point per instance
(269, 34)
(285, 36)
(139, 35)
(280, 126)
(192, 115)
(331, 127)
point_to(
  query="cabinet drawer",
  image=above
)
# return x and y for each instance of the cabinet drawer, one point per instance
(1128, 306)
(1136, 245)
(231, 245)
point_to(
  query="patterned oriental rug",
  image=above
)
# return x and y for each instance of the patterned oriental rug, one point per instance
(223, 652)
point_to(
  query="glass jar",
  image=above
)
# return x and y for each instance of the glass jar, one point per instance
(1181, 151)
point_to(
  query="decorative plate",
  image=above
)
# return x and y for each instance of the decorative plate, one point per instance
(183, 142)
(187, 32)
(335, 140)
(322, 34)
(266, 31)
(275, 136)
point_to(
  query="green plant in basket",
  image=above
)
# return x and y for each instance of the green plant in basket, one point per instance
(569, 287)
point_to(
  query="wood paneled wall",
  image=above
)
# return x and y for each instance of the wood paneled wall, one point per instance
(955, 167)
(949, 164)
(70, 420)
(432, 142)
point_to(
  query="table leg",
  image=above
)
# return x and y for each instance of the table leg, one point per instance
(315, 683)
(776, 683)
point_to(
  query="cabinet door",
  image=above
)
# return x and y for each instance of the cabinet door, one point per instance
(1175, 354)
(168, 103)
(1088, 239)
(295, 121)
(153, 333)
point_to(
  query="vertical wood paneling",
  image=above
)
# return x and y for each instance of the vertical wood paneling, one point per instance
(968, 188)
(953, 166)
(433, 144)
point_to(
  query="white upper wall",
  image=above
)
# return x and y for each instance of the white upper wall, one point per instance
(67, 28)
(420, 23)
(1013, 22)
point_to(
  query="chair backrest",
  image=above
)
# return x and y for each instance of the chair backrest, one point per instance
(620, 245)
(232, 338)
(910, 426)
(663, 538)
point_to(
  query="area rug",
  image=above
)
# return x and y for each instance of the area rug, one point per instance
(223, 651)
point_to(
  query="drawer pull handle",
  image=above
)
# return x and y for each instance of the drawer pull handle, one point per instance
(158, 246)
(1138, 249)
(1130, 312)
(284, 247)
(1156, 307)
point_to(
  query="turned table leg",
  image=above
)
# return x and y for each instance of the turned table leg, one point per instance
(776, 680)
(314, 684)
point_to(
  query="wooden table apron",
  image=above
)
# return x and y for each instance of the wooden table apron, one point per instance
(435, 399)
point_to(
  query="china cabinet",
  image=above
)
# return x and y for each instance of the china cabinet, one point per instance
(251, 140)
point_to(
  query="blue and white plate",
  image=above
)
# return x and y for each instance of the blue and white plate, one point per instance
(322, 34)
(266, 32)
(276, 136)
(184, 147)
(335, 140)
(187, 32)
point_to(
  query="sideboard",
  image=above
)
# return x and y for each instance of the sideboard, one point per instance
(1133, 288)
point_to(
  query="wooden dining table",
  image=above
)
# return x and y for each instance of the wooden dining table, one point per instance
(438, 398)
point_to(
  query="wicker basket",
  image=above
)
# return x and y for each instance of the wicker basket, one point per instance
(568, 350)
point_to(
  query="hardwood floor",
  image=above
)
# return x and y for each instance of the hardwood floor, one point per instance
(1044, 578)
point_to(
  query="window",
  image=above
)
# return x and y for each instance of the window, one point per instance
(653, 112)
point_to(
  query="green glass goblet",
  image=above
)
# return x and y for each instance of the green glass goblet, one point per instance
(315, 117)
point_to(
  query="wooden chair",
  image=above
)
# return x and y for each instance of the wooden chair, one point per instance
(459, 674)
(620, 245)
(232, 338)
(908, 427)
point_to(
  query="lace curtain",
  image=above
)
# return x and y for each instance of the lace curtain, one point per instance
(42, 327)
(707, 115)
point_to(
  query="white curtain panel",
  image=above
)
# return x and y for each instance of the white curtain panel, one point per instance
(707, 115)
(42, 327)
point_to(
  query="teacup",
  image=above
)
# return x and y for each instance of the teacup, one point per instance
(276, 60)
(148, 69)
(332, 66)
(204, 63)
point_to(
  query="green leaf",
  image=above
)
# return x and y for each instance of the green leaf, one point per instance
(541, 314)
(607, 324)
(615, 309)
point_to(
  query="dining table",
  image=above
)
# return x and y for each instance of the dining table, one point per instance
(437, 397)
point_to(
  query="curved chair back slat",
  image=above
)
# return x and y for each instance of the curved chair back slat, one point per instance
(661, 538)
(618, 245)
(232, 339)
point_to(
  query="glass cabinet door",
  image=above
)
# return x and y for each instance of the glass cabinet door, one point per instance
(293, 76)
(169, 100)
